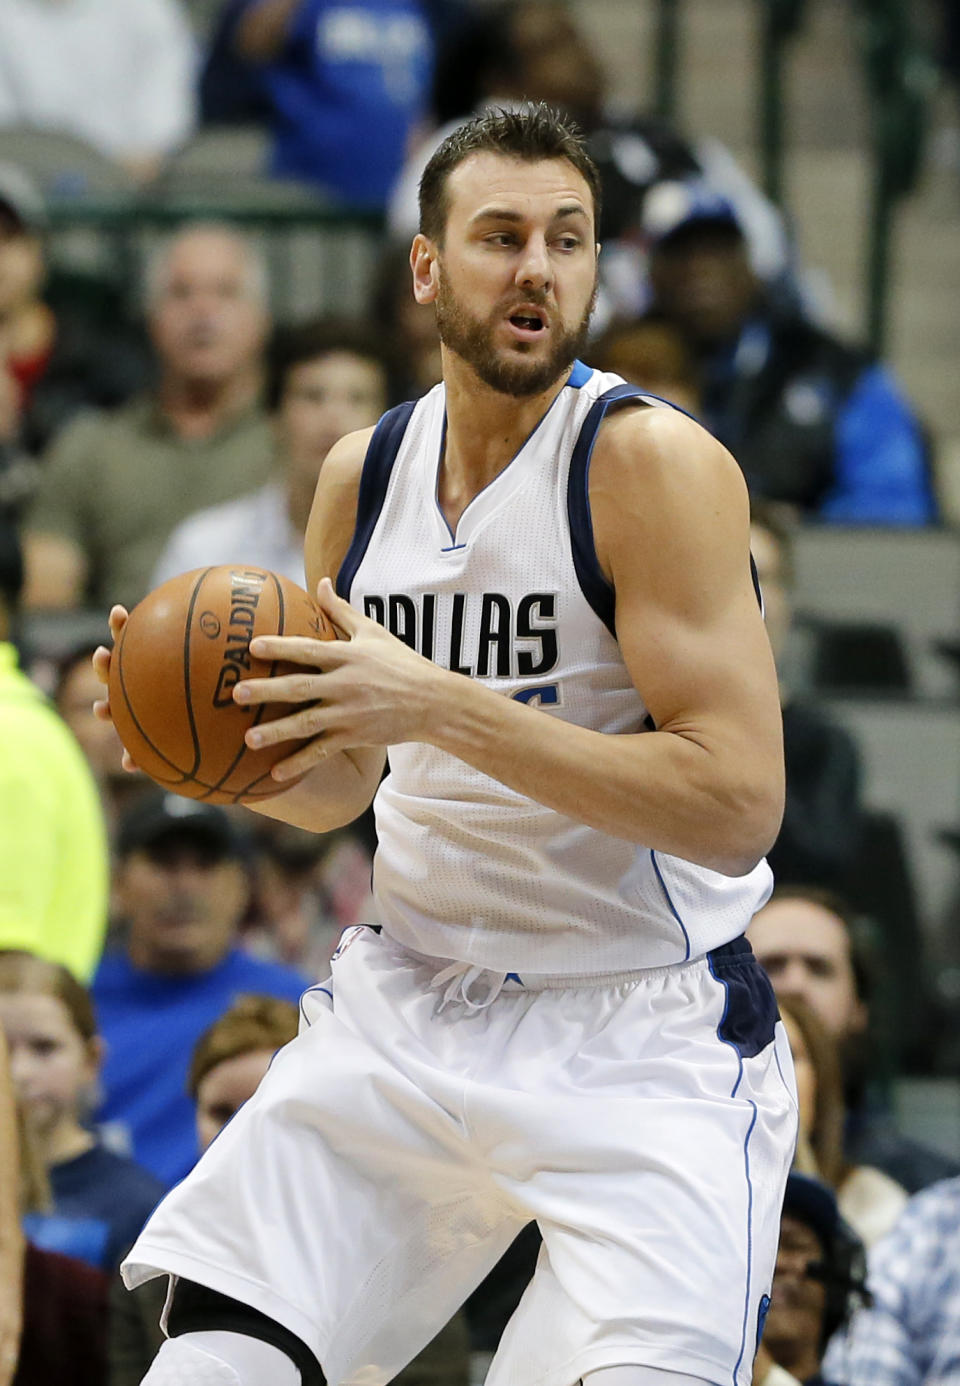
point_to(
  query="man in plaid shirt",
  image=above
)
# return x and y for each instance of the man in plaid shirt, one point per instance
(911, 1334)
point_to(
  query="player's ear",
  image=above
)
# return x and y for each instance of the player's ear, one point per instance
(424, 266)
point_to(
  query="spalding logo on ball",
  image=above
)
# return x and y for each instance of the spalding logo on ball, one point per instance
(183, 650)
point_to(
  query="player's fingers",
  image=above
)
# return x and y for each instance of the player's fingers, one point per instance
(341, 613)
(308, 756)
(129, 764)
(101, 710)
(298, 649)
(101, 663)
(282, 688)
(117, 619)
(308, 722)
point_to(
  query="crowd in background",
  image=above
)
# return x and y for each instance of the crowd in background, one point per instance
(152, 949)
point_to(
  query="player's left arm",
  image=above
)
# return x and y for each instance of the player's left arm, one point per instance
(671, 529)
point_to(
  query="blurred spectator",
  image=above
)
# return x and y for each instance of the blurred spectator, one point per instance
(653, 353)
(119, 77)
(182, 889)
(326, 379)
(341, 86)
(819, 1282)
(410, 327)
(811, 420)
(910, 1334)
(11, 1237)
(115, 484)
(307, 888)
(76, 689)
(27, 327)
(869, 1199)
(811, 947)
(59, 349)
(513, 51)
(100, 1200)
(822, 824)
(64, 1301)
(53, 845)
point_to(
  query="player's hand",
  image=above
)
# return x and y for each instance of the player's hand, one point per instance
(366, 689)
(101, 667)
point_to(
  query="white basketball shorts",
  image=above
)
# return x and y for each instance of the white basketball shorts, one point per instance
(399, 1144)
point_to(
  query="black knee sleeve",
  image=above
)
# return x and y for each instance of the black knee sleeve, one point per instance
(197, 1309)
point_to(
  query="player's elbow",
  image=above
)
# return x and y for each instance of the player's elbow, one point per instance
(746, 825)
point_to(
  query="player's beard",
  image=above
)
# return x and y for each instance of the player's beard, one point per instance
(473, 340)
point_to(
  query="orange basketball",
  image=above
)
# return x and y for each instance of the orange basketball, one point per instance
(173, 671)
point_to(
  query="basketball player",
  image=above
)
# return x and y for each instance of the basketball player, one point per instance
(544, 590)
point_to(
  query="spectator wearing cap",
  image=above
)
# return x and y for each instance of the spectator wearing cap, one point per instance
(819, 1282)
(118, 77)
(181, 889)
(910, 1334)
(53, 846)
(812, 420)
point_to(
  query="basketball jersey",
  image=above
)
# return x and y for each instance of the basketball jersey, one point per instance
(467, 868)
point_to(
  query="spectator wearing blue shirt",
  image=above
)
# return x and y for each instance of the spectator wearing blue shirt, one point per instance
(99, 1201)
(812, 420)
(342, 84)
(182, 889)
(910, 1336)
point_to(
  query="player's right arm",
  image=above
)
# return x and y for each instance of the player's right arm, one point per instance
(338, 789)
(342, 786)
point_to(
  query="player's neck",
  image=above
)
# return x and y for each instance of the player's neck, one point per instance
(485, 431)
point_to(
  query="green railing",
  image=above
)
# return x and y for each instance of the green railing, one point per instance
(342, 245)
(899, 79)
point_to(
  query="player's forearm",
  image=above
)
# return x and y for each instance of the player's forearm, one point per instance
(717, 803)
(333, 794)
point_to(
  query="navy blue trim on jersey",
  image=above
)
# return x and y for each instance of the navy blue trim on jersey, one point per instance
(593, 583)
(374, 479)
(673, 908)
(579, 376)
(755, 576)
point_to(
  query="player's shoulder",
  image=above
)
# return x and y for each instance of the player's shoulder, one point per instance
(343, 464)
(652, 446)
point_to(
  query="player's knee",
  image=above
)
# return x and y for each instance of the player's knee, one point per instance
(639, 1376)
(243, 1340)
(220, 1359)
(180, 1363)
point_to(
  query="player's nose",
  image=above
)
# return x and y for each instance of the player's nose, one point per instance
(534, 270)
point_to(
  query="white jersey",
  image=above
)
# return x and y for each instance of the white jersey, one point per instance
(467, 868)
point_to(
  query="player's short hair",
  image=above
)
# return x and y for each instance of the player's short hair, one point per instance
(531, 134)
(308, 341)
(23, 972)
(251, 1023)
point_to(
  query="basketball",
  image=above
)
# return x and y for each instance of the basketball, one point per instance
(174, 668)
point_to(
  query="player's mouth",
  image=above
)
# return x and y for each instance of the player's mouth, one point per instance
(528, 323)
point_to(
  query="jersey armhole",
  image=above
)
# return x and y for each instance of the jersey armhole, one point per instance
(374, 479)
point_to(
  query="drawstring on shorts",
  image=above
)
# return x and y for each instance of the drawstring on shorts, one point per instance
(458, 980)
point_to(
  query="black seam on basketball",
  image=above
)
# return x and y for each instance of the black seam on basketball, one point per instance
(136, 720)
(244, 748)
(187, 631)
